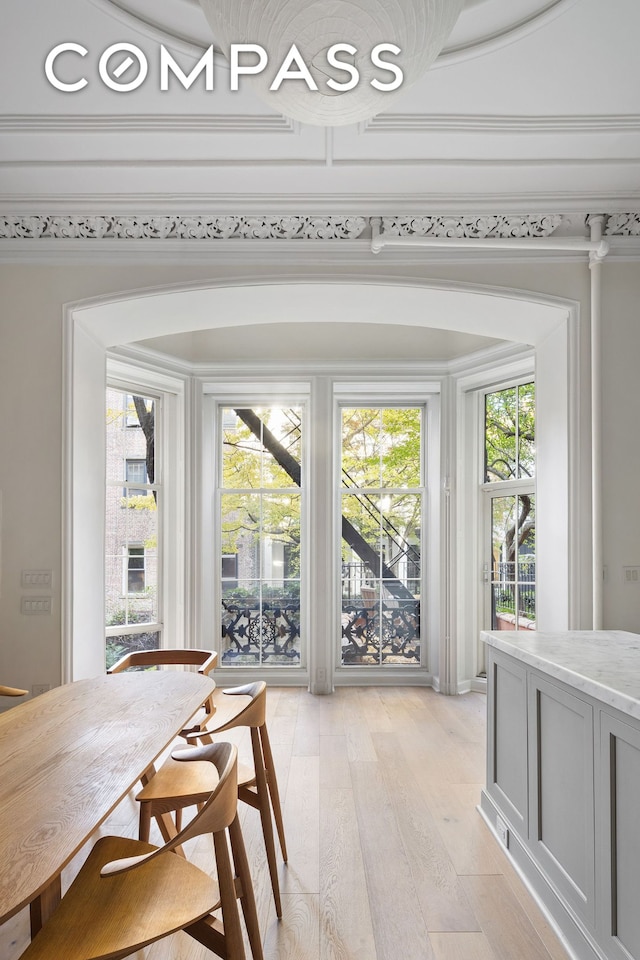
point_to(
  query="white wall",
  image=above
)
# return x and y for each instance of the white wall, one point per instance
(621, 444)
(31, 430)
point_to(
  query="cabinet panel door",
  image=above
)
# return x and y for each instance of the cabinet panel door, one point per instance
(507, 754)
(561, 777)
(621, 836)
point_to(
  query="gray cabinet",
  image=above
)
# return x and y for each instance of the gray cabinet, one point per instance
(563, 779)
(507, 732)
(561, 824)
(620, 801)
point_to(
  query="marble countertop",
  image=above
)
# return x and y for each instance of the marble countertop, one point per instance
(605, 664)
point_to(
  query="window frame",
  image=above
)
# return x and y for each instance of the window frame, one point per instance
(419, 490)
(171, 475)
(249, 392)
(395, 393)
(220, 491)
(498, 489)
(128, 556)
(134, 488)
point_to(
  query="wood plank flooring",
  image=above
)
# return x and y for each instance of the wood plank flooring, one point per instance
(388, 856)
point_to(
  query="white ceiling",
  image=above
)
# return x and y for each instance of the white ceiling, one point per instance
(533, 108)
(318, 342)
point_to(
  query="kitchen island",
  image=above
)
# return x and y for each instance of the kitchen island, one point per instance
(563, 778)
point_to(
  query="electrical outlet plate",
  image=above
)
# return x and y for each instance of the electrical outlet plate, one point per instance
(503, 832)
(631, 575)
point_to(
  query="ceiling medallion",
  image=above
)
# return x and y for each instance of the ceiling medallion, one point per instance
(331, 64)
(482, 25)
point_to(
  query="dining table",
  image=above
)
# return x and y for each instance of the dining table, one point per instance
(67, 759)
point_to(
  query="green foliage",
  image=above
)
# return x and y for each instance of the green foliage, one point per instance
(140, 502)
(510, 433)
(250, 511)
(381, 448)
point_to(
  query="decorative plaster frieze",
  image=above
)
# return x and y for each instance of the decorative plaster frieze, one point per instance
(471, 227)
(181, 228)
(623, 225)
(194, 228)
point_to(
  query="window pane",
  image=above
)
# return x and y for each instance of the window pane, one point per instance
(400, 442)
(526, 430)
(500, 435)
(510, 450)
(261, 535)
(122, 644)
(513, 569)
(261, 447)
(361, 466)
(381, 570)
(131, 520)
(240, 524)
(241, 453)
(361, 536)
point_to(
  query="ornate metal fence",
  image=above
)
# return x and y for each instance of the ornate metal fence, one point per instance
(261, 631)
(376, 632)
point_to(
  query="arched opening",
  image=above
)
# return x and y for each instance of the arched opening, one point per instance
(517, 317)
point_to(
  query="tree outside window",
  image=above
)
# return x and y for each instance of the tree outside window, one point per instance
(510, 457)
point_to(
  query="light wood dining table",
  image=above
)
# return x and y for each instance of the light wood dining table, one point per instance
(67, 758)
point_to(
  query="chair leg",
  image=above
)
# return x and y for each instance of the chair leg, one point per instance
(144, 827)
(228, 899)
(264, 806)
(272, 783)
(247, 898)
(164, 821)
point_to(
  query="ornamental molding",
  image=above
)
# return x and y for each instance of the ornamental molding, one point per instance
(111, 229)
(483, 25)
(174, 124)
(471, 227)
(181, 228)
(623, 225)
(489, 123)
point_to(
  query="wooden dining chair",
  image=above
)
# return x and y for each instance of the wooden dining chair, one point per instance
(204, 660)
(243, 706)
(12, 691)
(129, 894)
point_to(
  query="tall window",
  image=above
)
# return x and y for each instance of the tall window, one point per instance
(509, 481)
(382, 493)
(132, 619)
(260, 518)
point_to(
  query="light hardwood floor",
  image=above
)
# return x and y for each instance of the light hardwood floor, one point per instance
(388, 856)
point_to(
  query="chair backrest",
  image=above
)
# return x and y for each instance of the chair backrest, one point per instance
(216, 815)
(204, 660)
(254, 713)
(12, 691)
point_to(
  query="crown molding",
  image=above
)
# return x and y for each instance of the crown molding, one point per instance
(67, 125)
(277, 204)
(172, 124)
(327, 240)
(489, 124)
(157, 361)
